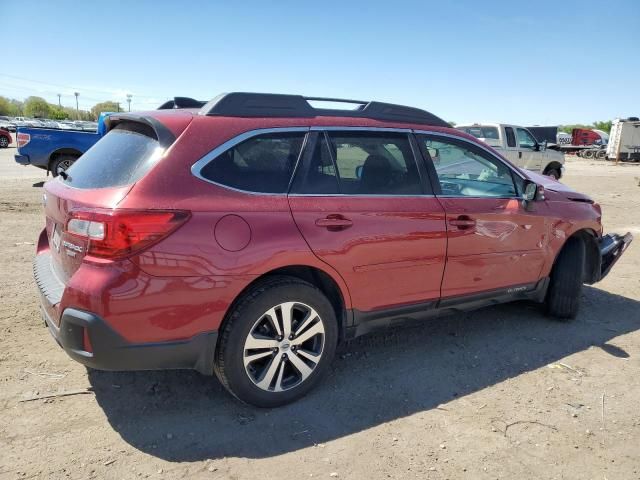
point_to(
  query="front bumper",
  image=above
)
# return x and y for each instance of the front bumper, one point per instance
(106, 350)
(22, 159)
(612, 247)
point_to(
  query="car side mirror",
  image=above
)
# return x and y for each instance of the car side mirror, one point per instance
(542, 146)
(533, 192)
(359, 172)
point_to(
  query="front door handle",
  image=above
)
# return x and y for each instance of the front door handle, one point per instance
(463, 222)
(334, 222)
(519, 154)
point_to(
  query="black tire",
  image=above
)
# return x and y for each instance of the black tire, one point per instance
(61, 163)
(565, 287)
(554, 173)
(4, 143)
(230, 351)
(587, 153)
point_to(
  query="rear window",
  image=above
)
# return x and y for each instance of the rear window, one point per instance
(121, 158)
(482, 132)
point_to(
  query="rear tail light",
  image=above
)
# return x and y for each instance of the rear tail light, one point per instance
(22, 139)
(118, 234)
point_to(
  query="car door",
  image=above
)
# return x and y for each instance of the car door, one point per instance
(493, 241)
(529, 151)
(360, 200)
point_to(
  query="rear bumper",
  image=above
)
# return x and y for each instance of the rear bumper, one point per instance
(106, 350)
(22, 159)
(612, 247)
(90, 340)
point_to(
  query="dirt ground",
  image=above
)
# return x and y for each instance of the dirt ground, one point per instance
(499, 393)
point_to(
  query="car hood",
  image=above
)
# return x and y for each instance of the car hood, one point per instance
(557, 191)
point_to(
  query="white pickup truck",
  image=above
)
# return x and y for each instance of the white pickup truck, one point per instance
(518, 146)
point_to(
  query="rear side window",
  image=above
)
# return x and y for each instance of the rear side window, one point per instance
(262, 164)
(511, 137)
(375, 164)
(121, 157)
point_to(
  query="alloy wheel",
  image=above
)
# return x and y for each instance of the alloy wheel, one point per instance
(284, 346)
(63, 166)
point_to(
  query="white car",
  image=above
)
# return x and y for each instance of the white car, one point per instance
(518, 146)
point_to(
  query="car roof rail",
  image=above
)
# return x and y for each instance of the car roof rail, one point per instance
(242, 104)
(181, 102)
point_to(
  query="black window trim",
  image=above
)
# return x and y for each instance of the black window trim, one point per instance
(196, 168)
(432, 170)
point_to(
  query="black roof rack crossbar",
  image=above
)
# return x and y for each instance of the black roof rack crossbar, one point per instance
(241, 104)
(181, 102)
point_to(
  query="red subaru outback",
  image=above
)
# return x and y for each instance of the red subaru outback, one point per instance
(249, 236)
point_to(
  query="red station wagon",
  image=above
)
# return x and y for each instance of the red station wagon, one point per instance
(250, 235)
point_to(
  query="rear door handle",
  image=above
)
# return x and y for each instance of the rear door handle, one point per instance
(334, 222)
(463, 222)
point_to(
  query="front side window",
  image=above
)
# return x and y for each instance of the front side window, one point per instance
(371, 163)
(262, 164)
(466, 171)
(525, 139)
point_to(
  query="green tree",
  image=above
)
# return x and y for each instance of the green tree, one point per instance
(107, 106)
(58, 113)
(604, 126)
(36, 107)
(10, 107)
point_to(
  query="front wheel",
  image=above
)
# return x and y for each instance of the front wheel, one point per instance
(4, 142)
(277, 342)
(565, 286)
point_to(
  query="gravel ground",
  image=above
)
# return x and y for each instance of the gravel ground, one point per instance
(502, 392)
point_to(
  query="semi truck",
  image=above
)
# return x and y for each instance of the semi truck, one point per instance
(624, 142)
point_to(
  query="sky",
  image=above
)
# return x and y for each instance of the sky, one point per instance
(530, 63)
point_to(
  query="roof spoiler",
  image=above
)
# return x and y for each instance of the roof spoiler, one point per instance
(155, 128)
(242, 104)
(181, 102)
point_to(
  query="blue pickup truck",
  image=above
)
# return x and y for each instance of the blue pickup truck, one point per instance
(52, 149)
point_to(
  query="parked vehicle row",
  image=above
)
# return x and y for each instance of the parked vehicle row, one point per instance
(247, 238)
(12, 124)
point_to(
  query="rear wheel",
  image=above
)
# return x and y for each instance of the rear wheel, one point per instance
(601, 155)
(4, 143)
(587, 154)
(61, 164)
(565, 287)
(277, 343)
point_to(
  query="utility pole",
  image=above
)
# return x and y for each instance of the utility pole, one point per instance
(77, 94)
(59, 104)
(118, 104)
(129, 100)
